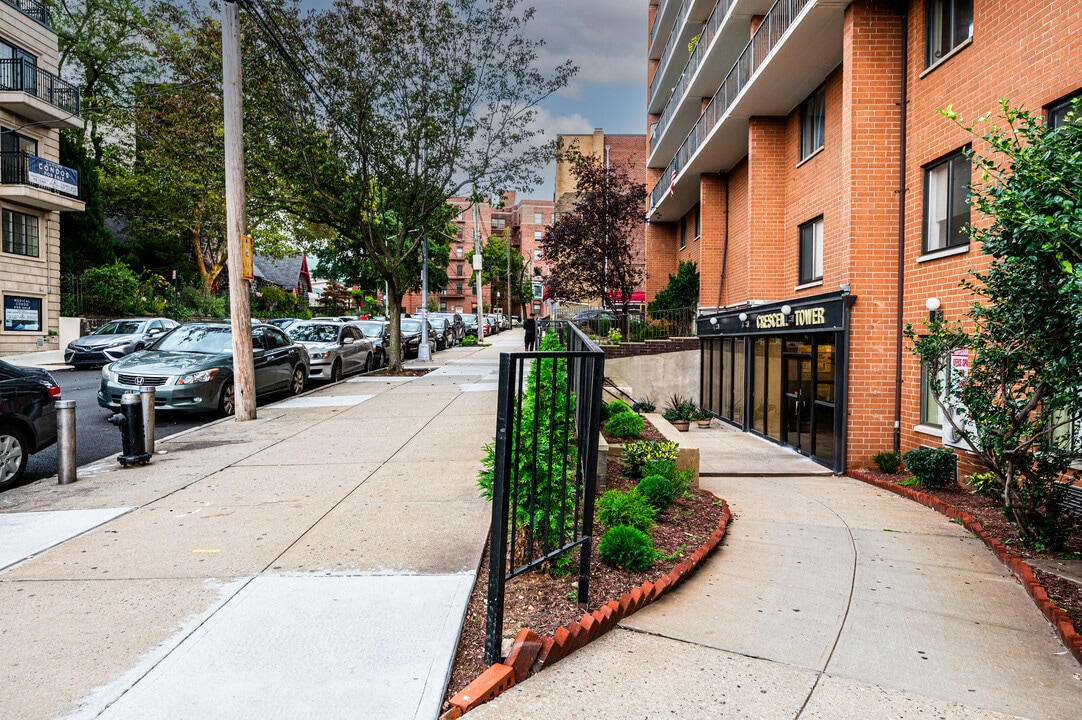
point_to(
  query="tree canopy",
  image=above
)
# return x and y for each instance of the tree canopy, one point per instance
(682, 290)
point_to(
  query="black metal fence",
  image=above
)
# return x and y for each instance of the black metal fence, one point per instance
(545, 474)
(25, 75)
(32, 8)
(638, 326)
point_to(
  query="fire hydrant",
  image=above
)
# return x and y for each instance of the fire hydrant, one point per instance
(132, 435)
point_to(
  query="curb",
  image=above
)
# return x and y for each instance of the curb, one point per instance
(530, 654)
(1060, 621)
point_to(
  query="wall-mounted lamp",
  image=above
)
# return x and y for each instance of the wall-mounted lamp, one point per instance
(786, 310)
(934, 313)
(844, 287)
(714, 321)
(743, 319)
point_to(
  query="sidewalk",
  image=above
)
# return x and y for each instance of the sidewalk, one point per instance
(315, 562)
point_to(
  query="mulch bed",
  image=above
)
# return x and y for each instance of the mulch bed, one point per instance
(544, 603)
(1064, 592)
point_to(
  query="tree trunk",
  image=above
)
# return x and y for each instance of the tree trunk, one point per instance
(394, 327)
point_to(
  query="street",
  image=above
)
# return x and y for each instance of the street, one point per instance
(94, 437)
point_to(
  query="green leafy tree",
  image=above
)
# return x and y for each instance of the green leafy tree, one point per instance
(85, 241)
(682, 290)
(494, 267)
(1019, 402)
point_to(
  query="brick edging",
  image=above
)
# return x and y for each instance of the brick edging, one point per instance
(530, 653)
(1061, 622)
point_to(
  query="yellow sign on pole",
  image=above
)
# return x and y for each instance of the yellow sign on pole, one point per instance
(247, 263)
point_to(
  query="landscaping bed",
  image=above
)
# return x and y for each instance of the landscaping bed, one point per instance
(544, 603)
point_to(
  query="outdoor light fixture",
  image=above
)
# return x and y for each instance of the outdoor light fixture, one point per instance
(743, 319)
(934, 313)
(714, 321)
(786, 310)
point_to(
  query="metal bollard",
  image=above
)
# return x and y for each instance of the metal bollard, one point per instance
(65, 442)
(146, 396)
(130, 422)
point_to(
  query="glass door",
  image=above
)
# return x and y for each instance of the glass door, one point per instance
(798, 402)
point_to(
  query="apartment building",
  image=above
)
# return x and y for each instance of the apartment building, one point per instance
(796, 154)
(523, 222)
(35, 105)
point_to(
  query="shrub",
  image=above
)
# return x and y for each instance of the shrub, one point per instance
(616, 407)
(645, 405)
(115, 289)
(887, 461)
(665, 468)
(617, 507)
(636, 454)
(986, 484)
(615, 337)
(681, 481)
(627, 548)
(469, 341)
(658, 491)
(627, 425)
(931, 466)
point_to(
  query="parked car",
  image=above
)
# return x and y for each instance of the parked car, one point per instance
(469, 320)
(504, 321)
(444, 336)
(376, 332)
(335, 349)
(494, 322)
(191, 368)
(114, 340)
(458, 325)
(411, 335)
(27, 417)
(593, 320)
(284, 323)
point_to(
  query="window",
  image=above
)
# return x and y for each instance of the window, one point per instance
(811, 251)
(537, 272)
(698, 225)
(813, 123)
(458, 269)
(20, 233)
(683, 233)
(538, 218)
(1065, 111)
(537, 236)
(458, 251)
(950, 23)
(929, 409)
(946, 213)
(11, 141)
(458, 288)
(537, 256)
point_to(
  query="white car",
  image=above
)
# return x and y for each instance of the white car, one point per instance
(335, 349)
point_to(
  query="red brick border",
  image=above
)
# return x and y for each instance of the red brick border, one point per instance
(531, 654)
(1059, 620)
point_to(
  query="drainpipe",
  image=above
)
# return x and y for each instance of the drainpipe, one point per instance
(902, 116)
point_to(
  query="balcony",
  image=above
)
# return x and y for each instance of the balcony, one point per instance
(35, 182)
(32, 9)
(797, 45)
(688, 23)
(38, 95)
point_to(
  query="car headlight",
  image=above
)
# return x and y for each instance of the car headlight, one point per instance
(107, 374)
(197, 377)
(320, 355)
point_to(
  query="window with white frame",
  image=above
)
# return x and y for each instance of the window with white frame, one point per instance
(950, 23)
(537, 236)
(1065, 111)
(811, 251)
(538, 218)
(930, 413)
(20, 233)
(946, 213)
(813, 123)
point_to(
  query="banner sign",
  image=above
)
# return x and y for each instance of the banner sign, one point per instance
(22, 313)
(52, 175)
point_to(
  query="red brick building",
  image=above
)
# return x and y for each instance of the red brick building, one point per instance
(796, 155)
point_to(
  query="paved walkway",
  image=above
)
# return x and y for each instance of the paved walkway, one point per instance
(315, 562)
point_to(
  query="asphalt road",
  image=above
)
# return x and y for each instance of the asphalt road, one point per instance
(94, 437)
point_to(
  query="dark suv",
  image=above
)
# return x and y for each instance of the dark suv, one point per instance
(458, 325)
(27, 417)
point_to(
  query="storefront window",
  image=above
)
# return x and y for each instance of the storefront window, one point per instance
(758, 386)
(774, 389)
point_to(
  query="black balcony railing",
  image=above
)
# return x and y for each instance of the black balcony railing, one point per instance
(32, 8)
(24, 75)
(23, 168)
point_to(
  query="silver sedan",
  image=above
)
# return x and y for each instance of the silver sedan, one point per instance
(336, 349)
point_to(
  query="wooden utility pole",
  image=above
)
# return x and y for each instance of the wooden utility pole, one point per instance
(477, 268)
(236, 214)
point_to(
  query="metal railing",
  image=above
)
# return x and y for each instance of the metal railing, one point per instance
(22, 74)
(33, 9)
(710, 29)
(15, 170)
(766, 37)
(670, 47)
(545, 471)
(657, 17)
(641, 325)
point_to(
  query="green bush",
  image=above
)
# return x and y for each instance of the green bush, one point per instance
(114, 288)
(615, 408)
(932, 467)
(665, 468)
(887, 461)
(986, 484)
(627, 548)
(682, 480)
(625, 425)
(645, 405)
(469, 341)
(658, 491)
(636, 454)
(197, 301)
(617, 507)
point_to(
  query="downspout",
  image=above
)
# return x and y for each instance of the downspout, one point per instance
(902, 117)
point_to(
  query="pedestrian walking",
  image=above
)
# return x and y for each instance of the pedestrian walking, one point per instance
(530, 326)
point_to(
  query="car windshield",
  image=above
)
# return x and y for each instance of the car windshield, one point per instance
(374, 329)
(438, 323)
(411, 325)
(120, 327)
(469, 318)
(207, 339)
(314, 333)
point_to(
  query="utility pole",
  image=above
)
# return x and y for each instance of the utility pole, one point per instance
(424, 351)
(236, 211)
(507, 241)
(477, 269)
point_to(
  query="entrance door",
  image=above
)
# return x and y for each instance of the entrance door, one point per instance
(799, 400)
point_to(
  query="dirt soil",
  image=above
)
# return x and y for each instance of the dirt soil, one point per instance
(1064, 592)
(544, 603)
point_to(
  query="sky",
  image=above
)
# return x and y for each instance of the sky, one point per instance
(606, 39)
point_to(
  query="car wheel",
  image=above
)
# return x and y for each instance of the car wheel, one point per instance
(14, 453)
(336, 372)
(296, 387)
(367, 363)
(227, 402)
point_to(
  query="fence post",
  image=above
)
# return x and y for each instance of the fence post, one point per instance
(497, 568)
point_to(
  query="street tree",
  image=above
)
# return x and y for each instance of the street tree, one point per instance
(410, 102)
(590, 251)
(1019, 406)
(682, 290)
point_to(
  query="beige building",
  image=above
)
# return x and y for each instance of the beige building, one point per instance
(35, 105)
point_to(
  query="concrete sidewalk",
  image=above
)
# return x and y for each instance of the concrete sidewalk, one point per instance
(315, 562)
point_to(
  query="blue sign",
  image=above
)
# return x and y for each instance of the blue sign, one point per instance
(22, 313)
(52, 175)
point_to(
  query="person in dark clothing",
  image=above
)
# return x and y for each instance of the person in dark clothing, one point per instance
(530, 326)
